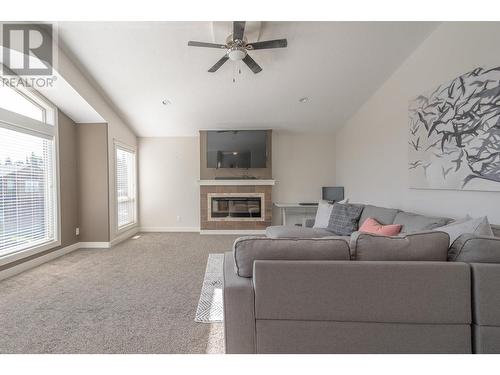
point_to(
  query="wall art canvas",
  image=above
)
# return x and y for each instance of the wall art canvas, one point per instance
(454, 134)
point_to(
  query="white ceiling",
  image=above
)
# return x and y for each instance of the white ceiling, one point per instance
(338, 65)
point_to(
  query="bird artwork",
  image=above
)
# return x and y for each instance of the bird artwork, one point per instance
(454, 134)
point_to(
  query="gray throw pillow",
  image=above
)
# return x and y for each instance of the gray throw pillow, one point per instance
(345, 218)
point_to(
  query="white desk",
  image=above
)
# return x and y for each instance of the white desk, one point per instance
(290, 206)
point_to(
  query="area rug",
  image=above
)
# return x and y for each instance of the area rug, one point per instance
(210, 307)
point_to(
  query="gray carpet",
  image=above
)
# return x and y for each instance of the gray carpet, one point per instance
(138, 297)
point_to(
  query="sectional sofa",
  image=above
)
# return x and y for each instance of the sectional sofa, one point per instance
(304, 290)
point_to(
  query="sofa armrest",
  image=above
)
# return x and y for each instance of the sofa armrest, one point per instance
(471, 248)
(239, 317)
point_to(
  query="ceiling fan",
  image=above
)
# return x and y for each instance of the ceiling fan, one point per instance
(237, 48)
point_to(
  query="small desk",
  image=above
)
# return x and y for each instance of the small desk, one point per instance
(284, 206)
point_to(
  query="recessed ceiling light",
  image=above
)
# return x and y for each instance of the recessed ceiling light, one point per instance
(305, 99)
(166, 102)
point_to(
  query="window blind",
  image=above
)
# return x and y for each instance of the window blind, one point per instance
(125, 187)
(27, 193)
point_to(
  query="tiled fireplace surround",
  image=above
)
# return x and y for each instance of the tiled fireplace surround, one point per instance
(235, 223)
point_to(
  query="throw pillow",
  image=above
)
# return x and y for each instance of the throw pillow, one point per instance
(479, 226)
(344, 218)
(373, 226)
(323, 215)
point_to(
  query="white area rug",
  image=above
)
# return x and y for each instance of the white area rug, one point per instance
(210, 307)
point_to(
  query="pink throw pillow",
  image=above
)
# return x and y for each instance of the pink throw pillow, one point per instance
(373, 226)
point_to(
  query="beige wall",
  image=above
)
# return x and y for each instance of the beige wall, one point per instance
(371, 149)
(169, 170)
(94, 187)
(302, 164)
(69, 183)
(169, 173)
(118, 130)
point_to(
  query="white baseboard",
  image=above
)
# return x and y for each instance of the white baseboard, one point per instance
(169, 229)
(38, 261)
(95, 245)
(233, 232)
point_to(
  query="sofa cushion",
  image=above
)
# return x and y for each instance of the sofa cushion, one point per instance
(344, 218)
(289, 231)
(323, 214)
(424, 246)
(383, 215)
(416, 223)
(479, 227)
(248, 249)
(471, 248)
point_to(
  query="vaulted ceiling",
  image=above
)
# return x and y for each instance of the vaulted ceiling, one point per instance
(337, 65)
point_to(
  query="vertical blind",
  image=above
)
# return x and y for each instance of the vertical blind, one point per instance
(125, 187)
(27, 198)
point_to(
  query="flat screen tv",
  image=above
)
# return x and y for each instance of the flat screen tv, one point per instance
(236, 149)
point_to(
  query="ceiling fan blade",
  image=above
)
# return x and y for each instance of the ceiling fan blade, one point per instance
(218, 64)
(277, 43)
(203, 44)
(238, 30)
(252, 64)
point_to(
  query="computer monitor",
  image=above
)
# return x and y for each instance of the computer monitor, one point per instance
(332, 193)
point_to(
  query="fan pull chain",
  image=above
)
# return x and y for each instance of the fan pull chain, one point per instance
(236, 66)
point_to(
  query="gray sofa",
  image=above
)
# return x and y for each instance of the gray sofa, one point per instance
(309, 292)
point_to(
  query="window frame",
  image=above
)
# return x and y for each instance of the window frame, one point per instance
(48, 129)
(124, 147)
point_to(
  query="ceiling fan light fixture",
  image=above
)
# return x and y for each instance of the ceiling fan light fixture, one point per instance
(237, 47)
(237, 53)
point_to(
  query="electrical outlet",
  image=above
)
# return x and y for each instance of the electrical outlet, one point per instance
(178, 219)
(77, 231)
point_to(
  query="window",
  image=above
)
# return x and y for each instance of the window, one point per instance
(125, 186)
(28, 179)
(16, 102)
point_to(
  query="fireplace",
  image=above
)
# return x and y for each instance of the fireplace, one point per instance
(231, 206)
(235, 206)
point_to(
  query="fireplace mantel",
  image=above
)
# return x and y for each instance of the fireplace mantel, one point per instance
(242, 182)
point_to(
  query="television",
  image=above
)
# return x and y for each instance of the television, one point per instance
(237, 149)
